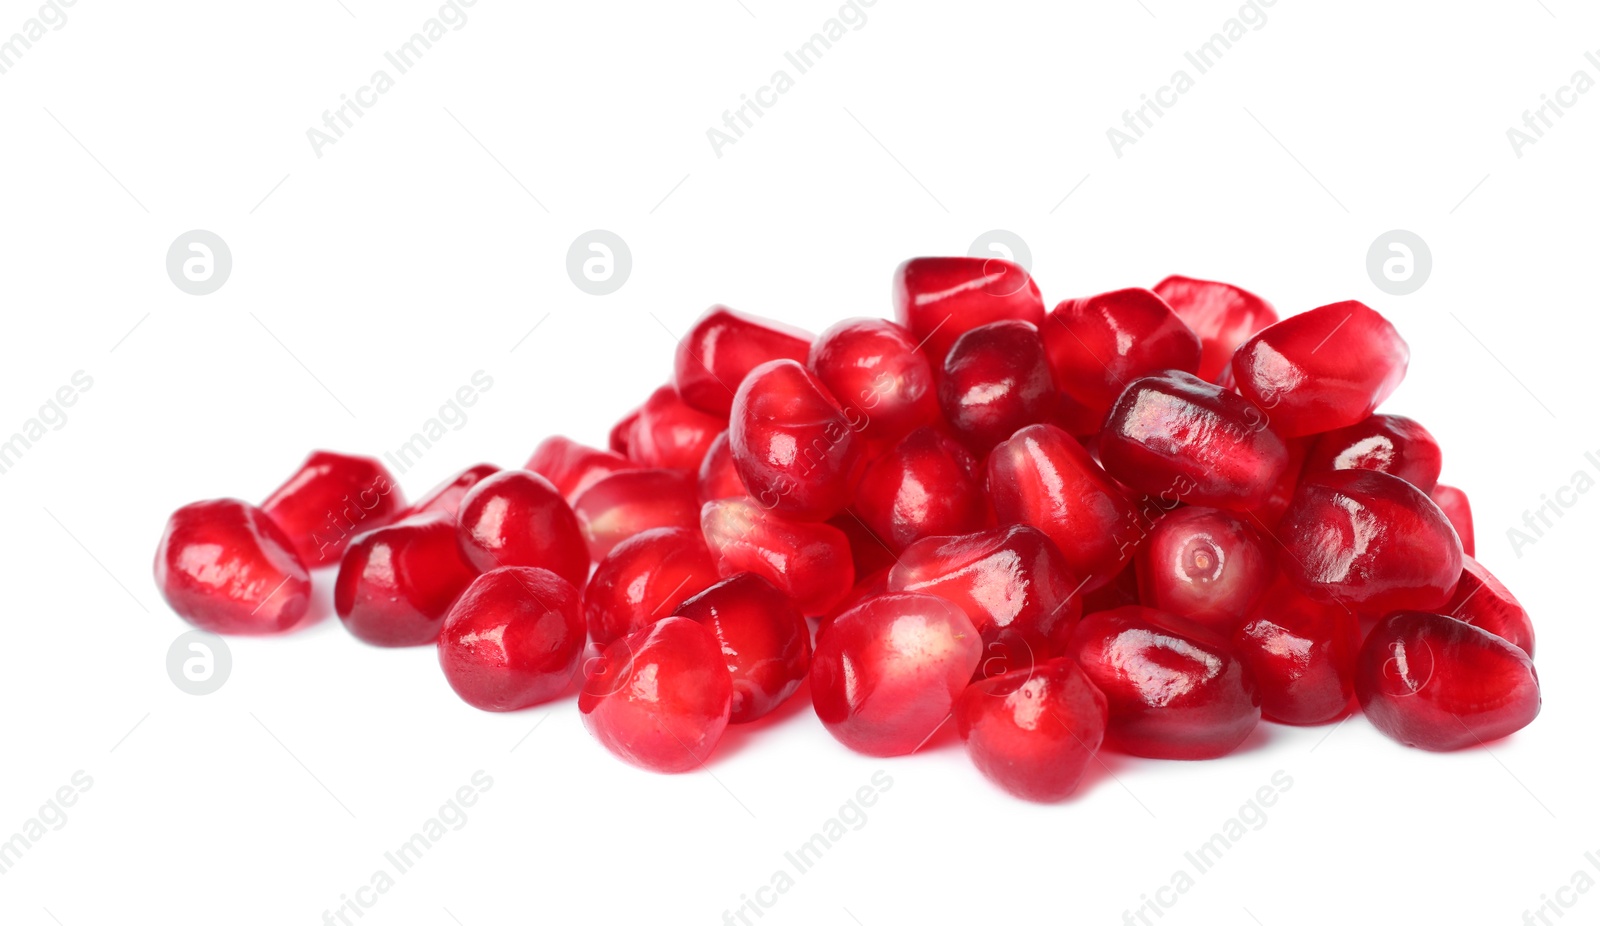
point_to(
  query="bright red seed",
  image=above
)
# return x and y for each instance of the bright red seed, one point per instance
(396, 583)
(792, 444)
(666, 433)
(873, 367)
(763, 637)
(623, 504)
(331, 498)
(1222, 316)
(721, 350)
(1099, 344)
(644, 579)
(445, 498)
(1453, 502)
(718, 478)
(571, 467)
(927, 485)
(517, 518)
(1302, 654)
(809, 562)
(1386, 443)
(224, 566)
(1206, 565)
(513, 639)
(938, 299)
(996, 380)
(1483, 601)
(1033, 732)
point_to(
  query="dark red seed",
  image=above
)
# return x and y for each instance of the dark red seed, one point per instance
(1386, 443)
(1483, 601)
(1302, 654)
(996, 380)
(763, 637)
(792, 444)
(1099, 344)
(807, 561)
(1033, 732)
(1206, 565)
(938, 299)
(1453, 502)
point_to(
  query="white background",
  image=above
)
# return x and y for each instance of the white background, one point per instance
(372, 282)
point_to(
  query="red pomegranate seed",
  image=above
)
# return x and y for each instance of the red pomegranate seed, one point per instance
(644, 579)
(396, 584)
(659, 698)
(875, 584)
(666, 433)
(1205, 565)
(1177, 434)
(718, 478)
(1302, 654)
(624, 504)
(1482, 601)
(927, 486)
(1386, 443)
(1033, 732)
(1369, 540)
(938, 299)
(1222, 316)
(1323, 369)
(620, 439)
(1175, 689)
(1099, 344)
(808, 562)
(763, 637)
(517, 518)
(513, 639)
(224, 566)
(996, 380)
(1453, 502)
(1266, 515)
(873, 366)
(445, 498)
(792, 444)
(868, 552)
(571, 467)
(1437, 683)
(887, 673)
(721, 350)
(1119, 592)
(331, 498)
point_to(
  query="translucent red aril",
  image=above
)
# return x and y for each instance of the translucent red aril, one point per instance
(926, 486)
(620, 438)
(513, 639)
(1176, 433)
(623, 504)
(873, 366)
(764, 639)
(1386, 443)
(1175, 690)
(996, 380)
(659, 698)
(1043, 477)
(1453, 502)
(718, 478)
(445, 498)
(887, 672)
(644, 579)
(1269, 512)
(517, 518)
(721, 350)
(1033, 732)
(938, 299)
(665, 432)
(396, 584)
(808, 562)
(792, 444)
(1322, 369)
(1222, 316)
(571, 467)
(1481, 600)
(1369, 540)
(1437, 683)
(1302, 654)
(1099, 344)
(224, 566)
(1206, 565)
(331, 498)
(875, 584)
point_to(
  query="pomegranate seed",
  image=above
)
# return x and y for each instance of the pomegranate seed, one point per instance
(938, 299)
(868, 552)
(620, 440)
(1302, 654)
(224, 566)
(1269, 512)
(624, 504)
(1205, 565)
(1482, 601)
(1322, 369)
(996, 380)
(808, 562)
(792, 444)
(331, 498)
(1437, 683)
(644, 579)
(517, 518)
(1175, 689)
(1119, 592)
(513, 639)
(873, 366)
(888, 671)
(721, 350)
(1099, 344)
(659, 698)
(571, 467)
(396, 584)
(875, 584)
(1386, 443)
(927, 486)
(1222, 316)
(445, 498)
(764, 639)
(666, 433)
(718, 478)
(1033, 732)
(1453, 502)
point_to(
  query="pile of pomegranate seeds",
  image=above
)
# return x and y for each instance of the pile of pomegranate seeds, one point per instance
(1147, 519)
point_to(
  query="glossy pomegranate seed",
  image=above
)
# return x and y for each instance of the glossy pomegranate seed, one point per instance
(792, 444)
(868, 551)
(517, 518)
(1222, 316)
(224, 566)
(1042, 477)
(445, 498)
(1453, 502)
(1386, 443)
(875, 584)
(721, 350)
(623, 504)
(1302, 654)
(1033, 732)
(331, 498)
(1322, 369)
(513, 639)
(1437, 683)
(718, 478)
(938, 299)
(396, 584)
(666, 433)
(644, 579)
(927, 486)
(764, 639)
(1099, 344)
(659, 698)
(1482, 601)
(996, 380)
(1369, 540)
(1206, 565)
(1269, 512)
(887, 672)
(873, 366)
(808, 562)
(1175, 690)
(1176, 433)
(620, 439)
(571, 467)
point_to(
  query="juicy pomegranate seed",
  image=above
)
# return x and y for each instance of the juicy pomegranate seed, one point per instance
(623, 504)
(888, 671)
(571, 467)
(1369, 540)
(1222, 316)
(644, 579)
(718, 478)
(1453, 502)
(331, 498)
(513, 639)
(1386, 443)
(1482, 601)
(1176, 690)
(938, 299)
(808, 562)
(1437, 683)
(659, 698)
(396, 584)
(875, 584)
(721, 350)
(996, 380)
(1269, 512)
(1033, 732)
(927, 486)
(873, 366)
(1302, 654)
(792, 444)
(224, 566)
(1099, 344)
(764, 639)
(620, 440)
(666, 433)
(868, 551)
(517, 518)
(1205, 565)
(445, 498)
(1322, 369)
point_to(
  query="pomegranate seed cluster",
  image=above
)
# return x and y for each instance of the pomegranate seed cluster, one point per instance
(1145, 520)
